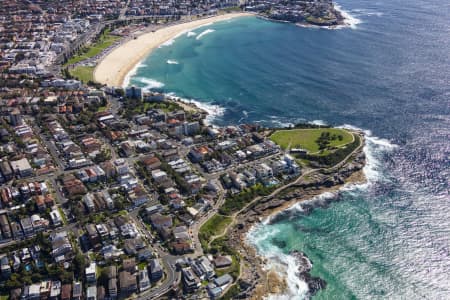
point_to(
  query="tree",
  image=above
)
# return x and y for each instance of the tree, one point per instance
(79, 264)
(120, 92)
(15, 281)
(103, 277)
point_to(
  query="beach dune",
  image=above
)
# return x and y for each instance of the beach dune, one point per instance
(115, 66)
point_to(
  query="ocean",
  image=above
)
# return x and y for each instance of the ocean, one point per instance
(388, 74)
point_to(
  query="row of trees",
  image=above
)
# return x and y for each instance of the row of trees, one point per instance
(236, 202)
(336, 156)
(326, 138)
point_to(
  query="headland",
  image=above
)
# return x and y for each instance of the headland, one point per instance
(339, 163)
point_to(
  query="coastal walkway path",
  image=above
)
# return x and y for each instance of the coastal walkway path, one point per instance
(282, 188)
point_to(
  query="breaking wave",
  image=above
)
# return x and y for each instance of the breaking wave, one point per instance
(284, 264)
(167, 43)
(319, 122)
(349, 20)
(172, 62)
(207, 31)
(261, 234)
(150, 83)
(214, 111)
(126, 80)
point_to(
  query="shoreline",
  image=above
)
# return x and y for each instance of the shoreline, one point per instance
(264, 279)
(116, 65)
(348, 21)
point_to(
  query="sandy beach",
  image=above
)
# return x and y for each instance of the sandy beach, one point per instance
(115, 66)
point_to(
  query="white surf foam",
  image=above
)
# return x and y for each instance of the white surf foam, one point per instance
(126, 80)
(349, 20)
(190, 34)
(374, 148)
(284, 264)
(172, 62)
(203, 33)
(287, 265)
(319, 122)
(214, 111)
(366, 12)
(167, 43)
(282, 124)
(278, 122)
(150, 83)
(203, 25)
(172, 40)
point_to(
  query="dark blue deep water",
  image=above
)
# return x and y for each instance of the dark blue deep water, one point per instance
(389, 75)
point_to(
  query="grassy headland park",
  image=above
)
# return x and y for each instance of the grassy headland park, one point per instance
(317, 145)
(214, 226)
(312, 140)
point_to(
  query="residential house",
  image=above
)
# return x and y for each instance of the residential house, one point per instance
(158, 221)
(190, 281)
(91, 293)
(223, 280)
(156, 271)
(91, 273)
(129, 265)
(127, 282)
(144, 281)
(112, 288)
(66, 292)
(77, 291)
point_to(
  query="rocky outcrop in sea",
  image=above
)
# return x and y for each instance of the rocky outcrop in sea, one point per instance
(305, 265)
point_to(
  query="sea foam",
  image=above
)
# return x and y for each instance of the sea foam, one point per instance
(319, 122)
(205, 32)
(349, 20)
(172, 62)
(150, 83)
(214, 111)
(285, 265)
(126, 80)
(374, 149)
(172, 40)
(261, 234)
(366, 12)
(167, 43)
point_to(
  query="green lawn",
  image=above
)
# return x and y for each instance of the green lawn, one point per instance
(104, 42)
(214, 226)
(63, 215)
(306, 138)
(142, 265)
(102, 108)
(83, 73)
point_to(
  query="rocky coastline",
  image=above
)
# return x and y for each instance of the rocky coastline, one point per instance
(316, 13)
(257, 282)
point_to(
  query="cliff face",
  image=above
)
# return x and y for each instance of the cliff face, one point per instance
(314, 12)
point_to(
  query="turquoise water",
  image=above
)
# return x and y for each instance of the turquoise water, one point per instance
(388, 75)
